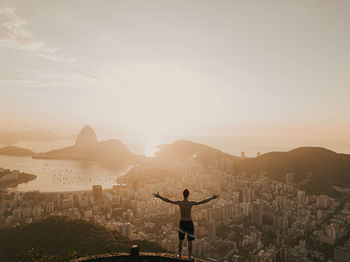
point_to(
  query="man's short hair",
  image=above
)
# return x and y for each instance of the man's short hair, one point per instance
(186, 193)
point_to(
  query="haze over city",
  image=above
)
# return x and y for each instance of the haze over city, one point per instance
(237, 75)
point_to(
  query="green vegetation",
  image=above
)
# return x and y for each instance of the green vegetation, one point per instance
(34, 255)
(60, 237)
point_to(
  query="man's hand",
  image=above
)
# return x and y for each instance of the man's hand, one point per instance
(215, 196)
(156, 195)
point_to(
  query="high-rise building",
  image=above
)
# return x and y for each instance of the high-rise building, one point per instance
(229, 166)
(200, 249)
(212, 230)
(322, 201)
(283, 254)
(289, 178)
(246, 208)
(125, 229)
(247, 194)
(331, 232)
(341, 254)
(97, 192)
(217, 163)
(257, 213)
(214, 158)
(190, 167)
(242, 154)
(301, 196)
(280, 222)
(222, 164)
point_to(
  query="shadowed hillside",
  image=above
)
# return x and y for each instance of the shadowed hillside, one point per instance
(149, 175)
(327, 167)
(59, 236)
(324, 167)
(182, 150)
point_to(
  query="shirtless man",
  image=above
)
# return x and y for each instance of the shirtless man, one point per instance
(186, 224)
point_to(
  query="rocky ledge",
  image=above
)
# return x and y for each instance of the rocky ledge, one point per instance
(135, 255)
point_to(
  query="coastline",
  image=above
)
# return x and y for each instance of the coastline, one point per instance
(46, 171)
(22, 178)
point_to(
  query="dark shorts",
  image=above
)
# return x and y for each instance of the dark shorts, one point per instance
(186, 227)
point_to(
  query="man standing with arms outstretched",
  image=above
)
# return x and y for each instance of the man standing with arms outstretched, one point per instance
(186, 224)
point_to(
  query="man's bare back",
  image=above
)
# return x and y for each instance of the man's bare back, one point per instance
(185, 209)
(186, 224)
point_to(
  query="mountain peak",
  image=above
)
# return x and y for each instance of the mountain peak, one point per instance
(86, 137)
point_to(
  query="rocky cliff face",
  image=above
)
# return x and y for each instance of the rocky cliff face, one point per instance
(112, 152)
(143, 257)
(87, 137)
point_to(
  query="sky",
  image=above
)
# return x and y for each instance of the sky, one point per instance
(239, 75)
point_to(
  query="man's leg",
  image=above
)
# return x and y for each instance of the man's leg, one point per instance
(180, 247)
(181, 238)
(190, 238)
(189, 249)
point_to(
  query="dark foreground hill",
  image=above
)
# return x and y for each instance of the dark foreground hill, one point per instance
(59, 236)
(112, 152)
(316, 169)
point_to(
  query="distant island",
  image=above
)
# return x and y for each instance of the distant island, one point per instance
(112, 152)
(16, 151)
(11, 178)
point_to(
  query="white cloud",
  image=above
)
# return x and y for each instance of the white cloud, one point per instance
(14, 35)
(38, 79)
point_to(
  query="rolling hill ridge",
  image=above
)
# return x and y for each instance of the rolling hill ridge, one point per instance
(324, 167)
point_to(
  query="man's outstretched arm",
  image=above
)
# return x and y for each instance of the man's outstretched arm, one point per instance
(204, 201)
(165, 199)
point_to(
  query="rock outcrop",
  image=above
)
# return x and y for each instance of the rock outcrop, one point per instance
(112, 152)
(87, 137)
(137, 256)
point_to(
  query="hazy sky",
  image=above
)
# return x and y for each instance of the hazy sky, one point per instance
(228, 73)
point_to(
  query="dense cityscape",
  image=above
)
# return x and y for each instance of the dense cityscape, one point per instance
(255, 218)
